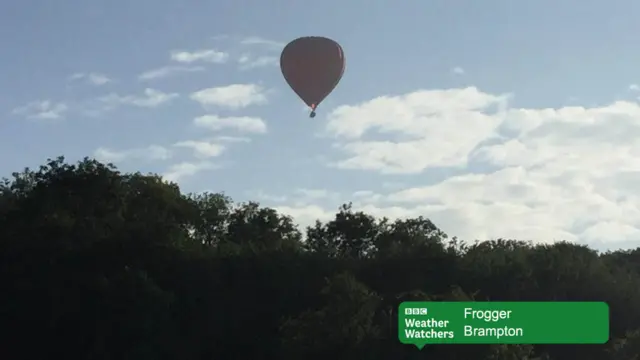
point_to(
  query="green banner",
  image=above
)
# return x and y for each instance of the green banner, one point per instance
(423, 323)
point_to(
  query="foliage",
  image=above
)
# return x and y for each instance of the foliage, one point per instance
(97, 264)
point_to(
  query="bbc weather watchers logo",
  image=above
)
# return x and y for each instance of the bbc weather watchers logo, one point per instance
(415, 311)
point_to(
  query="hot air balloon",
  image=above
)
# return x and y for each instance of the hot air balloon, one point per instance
(312, 66)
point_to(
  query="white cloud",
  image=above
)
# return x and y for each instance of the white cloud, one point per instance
(234, 96)
(457, 70)
(313, 194)
(43, 110)
(240, 123)
(270, 44)
(168, 71)
(248, 61)
(96, 79)
(208, 55)
(153, 152)
(99, 79)
(366, 196)
(306, 215)
(150, 99)
(569, 173)
(232, 139)
(202, 149)
(429, 123)
(261, 195)
(183, 170)
(392, 185)
(76, 76)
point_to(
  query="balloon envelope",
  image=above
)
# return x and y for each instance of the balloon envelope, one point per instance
(312, 66)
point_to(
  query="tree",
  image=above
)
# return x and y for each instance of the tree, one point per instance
(99, 264)
(342, 326)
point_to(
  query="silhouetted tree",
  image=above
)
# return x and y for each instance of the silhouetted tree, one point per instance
(98, 264)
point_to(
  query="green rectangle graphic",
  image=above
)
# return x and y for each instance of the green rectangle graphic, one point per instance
(423, 323)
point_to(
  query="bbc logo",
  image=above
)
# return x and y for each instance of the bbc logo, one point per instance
(415, 311)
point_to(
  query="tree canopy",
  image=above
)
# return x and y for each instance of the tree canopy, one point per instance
(100, 264)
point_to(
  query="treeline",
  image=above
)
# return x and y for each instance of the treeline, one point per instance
(99, 264)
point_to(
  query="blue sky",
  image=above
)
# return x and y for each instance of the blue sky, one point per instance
(501, 118)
